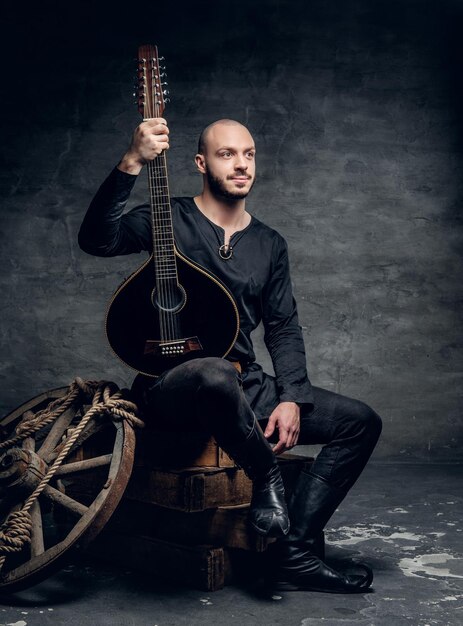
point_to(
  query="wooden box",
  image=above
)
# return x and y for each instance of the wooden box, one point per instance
(221, 527)
(174, 450)
(189, 489)
(202, 567)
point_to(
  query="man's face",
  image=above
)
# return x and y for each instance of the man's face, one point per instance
(229, 161)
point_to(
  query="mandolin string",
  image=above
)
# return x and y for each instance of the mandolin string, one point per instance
(159, 193)
(149, 114)
(163, 315)
(167, 234)
(170, 237)
(162, 211)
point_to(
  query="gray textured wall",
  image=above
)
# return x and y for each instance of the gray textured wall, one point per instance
(356, 107)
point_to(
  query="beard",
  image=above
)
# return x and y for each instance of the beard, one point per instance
(218, 188)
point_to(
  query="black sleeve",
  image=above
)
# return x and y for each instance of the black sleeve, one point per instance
(105, 231)
(283, 335)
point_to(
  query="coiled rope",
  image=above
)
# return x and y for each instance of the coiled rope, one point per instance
(106, 399)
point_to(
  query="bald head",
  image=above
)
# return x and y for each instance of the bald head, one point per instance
(208, 132)
(226, 159)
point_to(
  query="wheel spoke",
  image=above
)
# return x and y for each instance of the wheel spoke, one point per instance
(81, 466)
(29, 444)
(37, 545)
(61, 498)
(56, 432)
(92, 427)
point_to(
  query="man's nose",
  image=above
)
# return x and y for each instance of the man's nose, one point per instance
(241, 163)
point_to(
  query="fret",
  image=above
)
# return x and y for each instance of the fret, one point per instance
(160, 170)
(162, 227)
(166, 240)
(161, 213)
(164, 212)
(159, 180)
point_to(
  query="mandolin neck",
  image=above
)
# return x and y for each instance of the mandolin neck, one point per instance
(161, 214)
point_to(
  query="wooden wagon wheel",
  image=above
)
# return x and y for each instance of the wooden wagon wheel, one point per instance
(79, 499)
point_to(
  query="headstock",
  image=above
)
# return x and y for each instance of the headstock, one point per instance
(151, 92)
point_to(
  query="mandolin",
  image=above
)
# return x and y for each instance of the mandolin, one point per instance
(170, 309)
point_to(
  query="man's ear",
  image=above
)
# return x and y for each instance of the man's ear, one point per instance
(200, 163)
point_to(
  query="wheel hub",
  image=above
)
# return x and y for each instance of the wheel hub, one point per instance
(21, 471)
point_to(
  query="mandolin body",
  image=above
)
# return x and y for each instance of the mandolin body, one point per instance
(206, 321)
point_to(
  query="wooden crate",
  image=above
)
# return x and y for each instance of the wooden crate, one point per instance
(185, 525)
(196, 489)
(202, 567)
(222, 527)
(189, 489)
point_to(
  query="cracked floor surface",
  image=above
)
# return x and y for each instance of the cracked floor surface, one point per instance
(405, 521)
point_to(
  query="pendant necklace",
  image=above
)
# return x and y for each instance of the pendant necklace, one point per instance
(225, 251)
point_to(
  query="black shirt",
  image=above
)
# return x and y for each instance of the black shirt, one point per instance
(257, 275)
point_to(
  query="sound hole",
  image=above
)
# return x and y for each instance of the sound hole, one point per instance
(169, 299)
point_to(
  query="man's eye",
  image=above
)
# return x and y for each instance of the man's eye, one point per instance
(250, 155)
(226, 154)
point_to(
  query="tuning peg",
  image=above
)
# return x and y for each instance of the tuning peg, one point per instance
(161, 59)
(164, 83)
(166, 99)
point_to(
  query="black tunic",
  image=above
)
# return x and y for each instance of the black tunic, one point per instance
(257, 275)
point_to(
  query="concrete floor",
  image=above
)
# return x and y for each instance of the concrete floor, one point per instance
(405, 521)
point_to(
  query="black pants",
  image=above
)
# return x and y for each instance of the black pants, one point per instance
(206, 394)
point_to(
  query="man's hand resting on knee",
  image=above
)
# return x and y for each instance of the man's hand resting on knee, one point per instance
(286, 417)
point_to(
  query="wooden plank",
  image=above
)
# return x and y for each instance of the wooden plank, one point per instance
(176, 450)
(197, 489)
(191, 489)
(202, 567)
(222, 527)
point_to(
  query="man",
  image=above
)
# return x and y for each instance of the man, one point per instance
(215, 230)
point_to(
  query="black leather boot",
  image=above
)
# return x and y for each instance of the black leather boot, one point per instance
(268, 514)
(296, 560)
